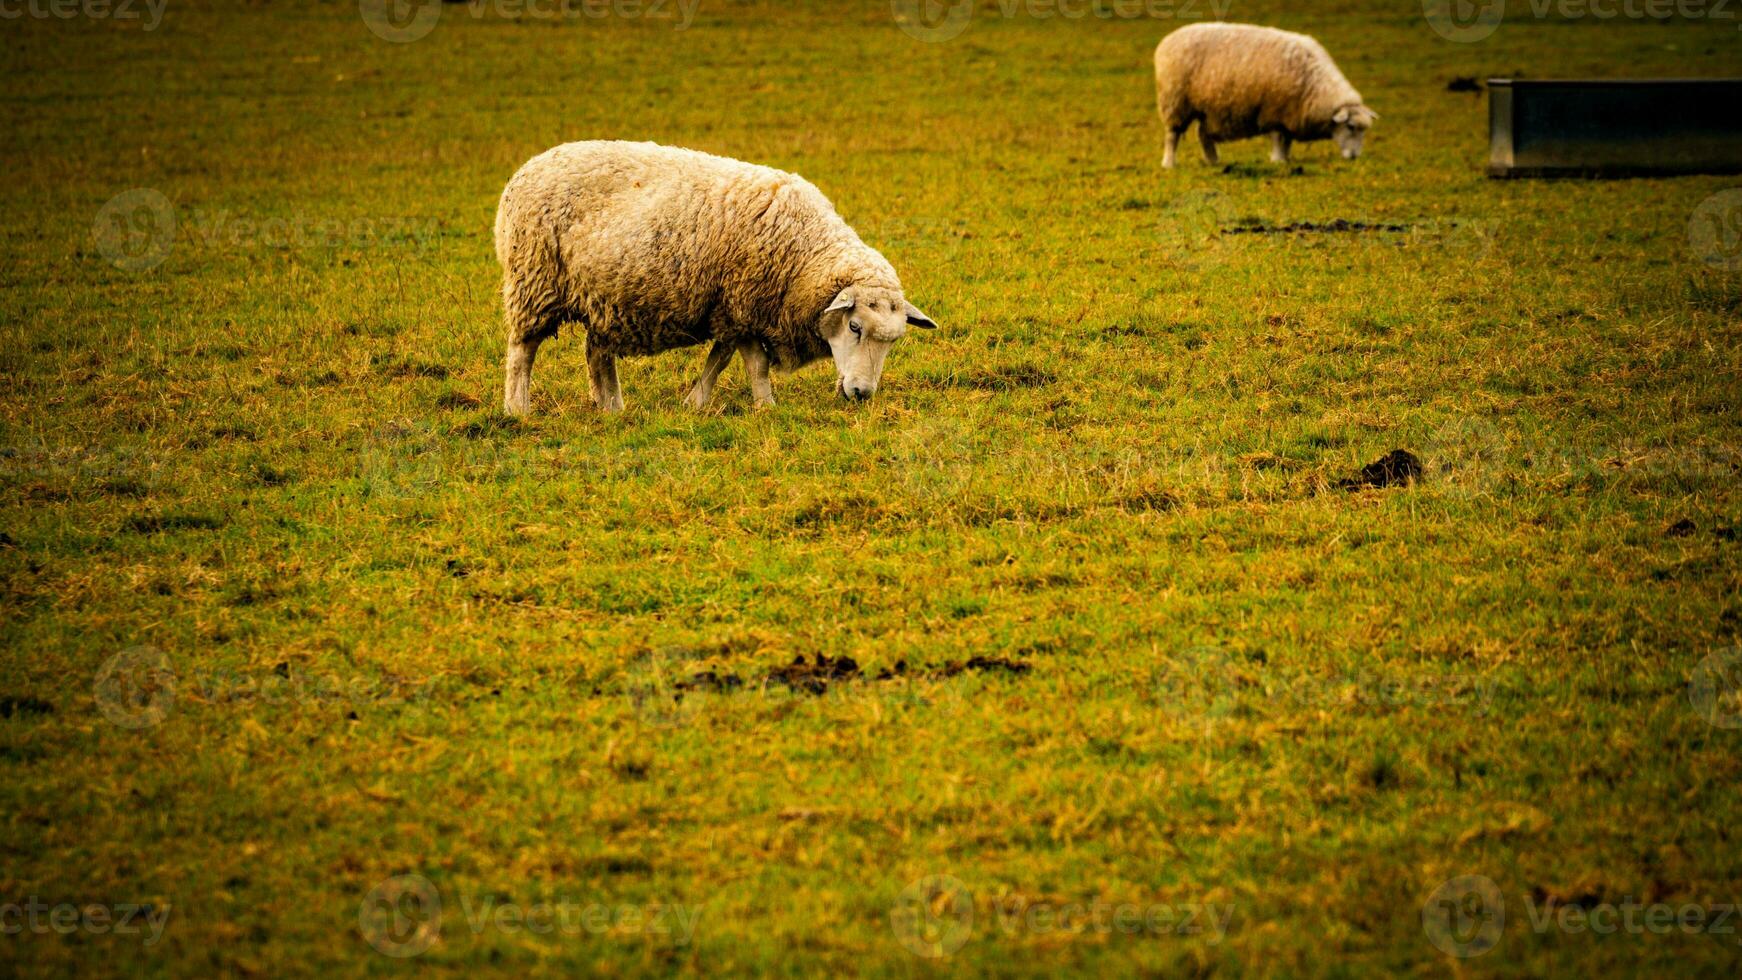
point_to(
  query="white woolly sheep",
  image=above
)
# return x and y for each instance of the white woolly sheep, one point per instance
(649, 248)
(1239, 80)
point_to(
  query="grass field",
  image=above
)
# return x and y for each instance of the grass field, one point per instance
(302, 634)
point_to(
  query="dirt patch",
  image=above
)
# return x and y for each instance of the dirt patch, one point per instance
(458, 399)
(819, 672)
(976, 514)
(1148, 501)
(1147, 325)
(709, 680)
(10, 706)
(268, 475)
(849, 511)
(1253, 226)
(1255, 170)
(159, 523)
(1270, 461)
(1132, 329)
(815, 676)
(236, 433)
(404, 367)
(1463, 83)
(627, 865)
(1396, 468)
(981, 665)
(253, 594)
(1005, 378)
(488, 426)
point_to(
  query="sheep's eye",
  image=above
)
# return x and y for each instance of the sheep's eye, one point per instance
(855, 328)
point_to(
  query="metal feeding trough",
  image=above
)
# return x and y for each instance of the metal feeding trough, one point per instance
(1603, 128)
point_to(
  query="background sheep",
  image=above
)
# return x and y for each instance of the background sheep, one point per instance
(1239, 80)
(650, 248)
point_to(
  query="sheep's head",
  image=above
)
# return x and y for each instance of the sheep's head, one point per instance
(861, 325)
(1351, 123)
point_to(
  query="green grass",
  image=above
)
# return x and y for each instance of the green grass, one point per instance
(545, 660)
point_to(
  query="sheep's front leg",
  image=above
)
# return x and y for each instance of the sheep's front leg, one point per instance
(517, 392)
(602, 368)
(1209, 144)
(718, 358)
(1167, 156)
(1279, 143)
(756, 367)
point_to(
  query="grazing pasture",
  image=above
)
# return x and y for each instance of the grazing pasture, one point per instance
(1086, 645)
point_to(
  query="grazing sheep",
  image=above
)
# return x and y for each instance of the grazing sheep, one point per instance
(1239, 80)
(650, 248)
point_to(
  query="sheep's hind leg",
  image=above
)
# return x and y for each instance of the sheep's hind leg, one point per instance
(1279, 143)
(756, 367)
(602, 369)
(718, 358)
(1167, 156)
(517, 390)
(1209, 144)
(528, 326)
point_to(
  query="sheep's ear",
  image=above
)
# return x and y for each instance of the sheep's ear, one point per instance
(1342, 116)
(916, 318)
(843, 301)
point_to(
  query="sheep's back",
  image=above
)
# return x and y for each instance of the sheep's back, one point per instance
(1240, 79)
(644, 239)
